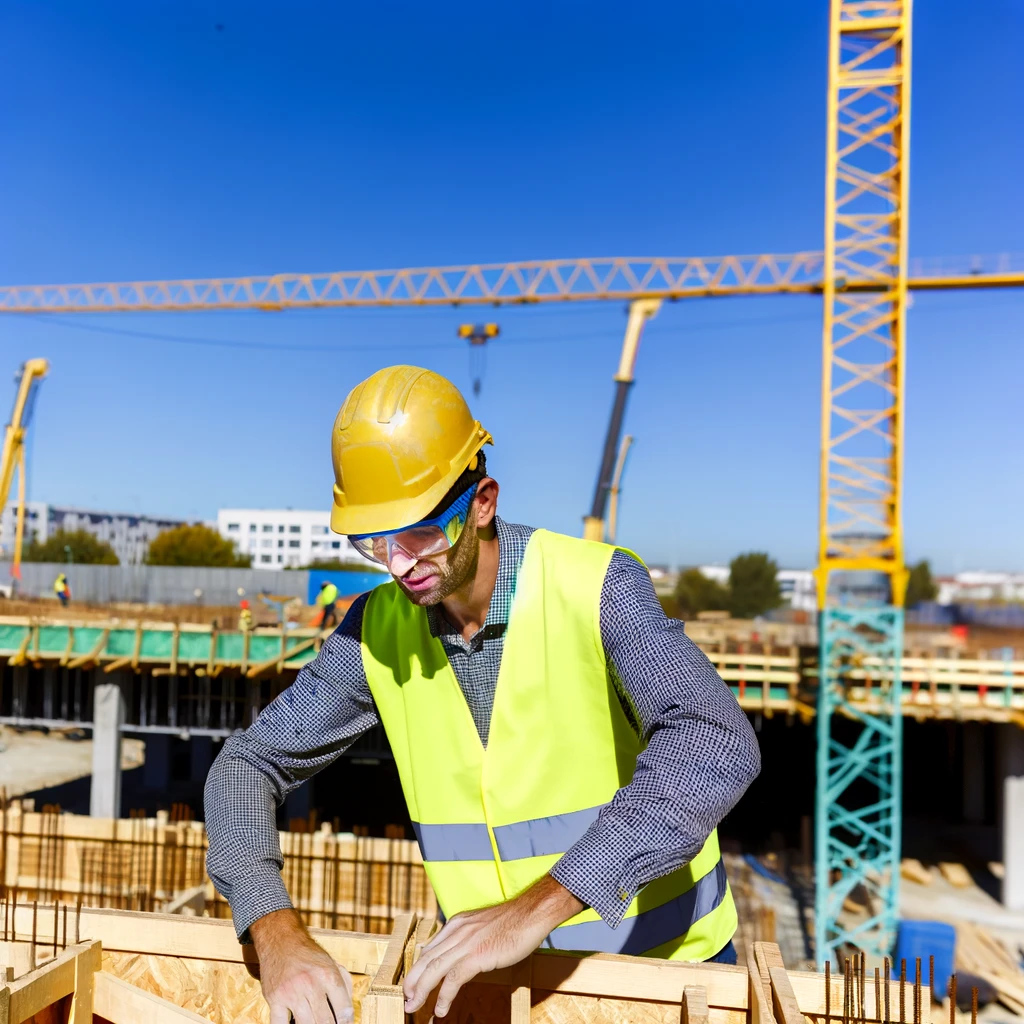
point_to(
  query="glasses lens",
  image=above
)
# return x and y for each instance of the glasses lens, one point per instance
(421, 541)
(369, 547)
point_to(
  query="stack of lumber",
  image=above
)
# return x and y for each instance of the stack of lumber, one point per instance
(982, 954)
(124, 967)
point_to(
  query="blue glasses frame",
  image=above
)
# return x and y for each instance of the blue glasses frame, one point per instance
(459, 507)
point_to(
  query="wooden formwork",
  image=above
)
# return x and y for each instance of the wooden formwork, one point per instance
(124, 967)
(335, 880)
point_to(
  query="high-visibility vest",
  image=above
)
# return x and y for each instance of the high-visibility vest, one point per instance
(491, 822)
(328, 595)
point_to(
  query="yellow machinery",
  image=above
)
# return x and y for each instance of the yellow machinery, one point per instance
(32, 372)
(640, 311)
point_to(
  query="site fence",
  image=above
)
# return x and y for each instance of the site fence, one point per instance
(335, 880)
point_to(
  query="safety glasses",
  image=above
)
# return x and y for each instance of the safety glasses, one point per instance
(424, 539)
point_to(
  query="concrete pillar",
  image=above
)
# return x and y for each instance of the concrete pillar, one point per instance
(1013, 843)
(156, 771)
(1010, 762)
(201, 756)
(973, 773)
(107, 718)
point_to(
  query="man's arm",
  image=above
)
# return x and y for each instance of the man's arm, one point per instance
(302, 731)
(701, 752)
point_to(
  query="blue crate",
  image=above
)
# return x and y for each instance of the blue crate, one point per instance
(924, 939)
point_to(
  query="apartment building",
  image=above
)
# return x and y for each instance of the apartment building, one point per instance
(279, 538)
(129, 535)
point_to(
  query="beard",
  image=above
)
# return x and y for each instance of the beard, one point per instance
(451, 572)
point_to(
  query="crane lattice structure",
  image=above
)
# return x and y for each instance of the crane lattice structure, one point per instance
(860, 508)
(863, 276)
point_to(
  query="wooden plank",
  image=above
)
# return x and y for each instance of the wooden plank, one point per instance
(767, 955)
(695, 1005)
(42, 987)
(956, 874)
(787, 1010)
(385, 1002)
(393, 960)
(87, 659)
(760, 1005)
(87, 964)
(121, 1003)
(206, 938)
(914, 871)
(622, 977)
(5, 1005)
(189, 903)
(522, 994)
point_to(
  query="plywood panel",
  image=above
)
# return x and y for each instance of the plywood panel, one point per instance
(221, 991)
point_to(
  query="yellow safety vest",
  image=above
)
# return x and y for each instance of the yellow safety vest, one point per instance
(490, 822)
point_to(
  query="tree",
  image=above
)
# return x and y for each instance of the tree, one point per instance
(920, 585)
(86, 549)
(696, 593)
(753, 587)
(195, 545)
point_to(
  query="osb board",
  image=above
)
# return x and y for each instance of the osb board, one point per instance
(491, 1004)
(220, 991)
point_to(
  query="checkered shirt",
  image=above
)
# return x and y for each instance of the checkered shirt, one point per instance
(701, 752)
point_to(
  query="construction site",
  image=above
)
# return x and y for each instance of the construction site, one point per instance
(877, 861)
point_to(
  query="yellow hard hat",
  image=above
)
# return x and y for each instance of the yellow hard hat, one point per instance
(400, 440)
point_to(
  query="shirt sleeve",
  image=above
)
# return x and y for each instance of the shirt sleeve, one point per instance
(700, 757)
(300, 732)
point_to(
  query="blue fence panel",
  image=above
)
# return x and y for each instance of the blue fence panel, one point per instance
(348, 582)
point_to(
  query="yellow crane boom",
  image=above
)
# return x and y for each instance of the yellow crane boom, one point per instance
(13, 456)
(502, 284)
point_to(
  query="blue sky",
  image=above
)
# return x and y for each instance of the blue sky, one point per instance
(141, 141)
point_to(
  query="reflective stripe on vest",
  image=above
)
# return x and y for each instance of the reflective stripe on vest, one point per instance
(649, 928)
(454, 842)
(540, 837)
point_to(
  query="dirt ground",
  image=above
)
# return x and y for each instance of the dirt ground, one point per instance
(34, 760)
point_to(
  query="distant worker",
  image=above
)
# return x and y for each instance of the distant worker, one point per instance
(62, 590)
(327, 599)
(244, 617)
(573, 806)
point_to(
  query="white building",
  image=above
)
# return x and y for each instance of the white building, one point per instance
(128, 535)
(971, 586)
(277, 538)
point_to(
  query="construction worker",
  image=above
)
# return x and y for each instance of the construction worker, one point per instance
(62, 590)
(244, 616)
(612, 747)
(326, 599)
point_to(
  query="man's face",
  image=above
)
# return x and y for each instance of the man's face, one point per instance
(428, 581)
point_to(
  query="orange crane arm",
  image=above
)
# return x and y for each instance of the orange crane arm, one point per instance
(495, 284)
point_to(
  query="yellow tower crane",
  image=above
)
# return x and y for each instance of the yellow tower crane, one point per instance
(13, 457)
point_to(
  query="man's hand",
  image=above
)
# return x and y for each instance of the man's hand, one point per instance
(484, 940)
(299, 978)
